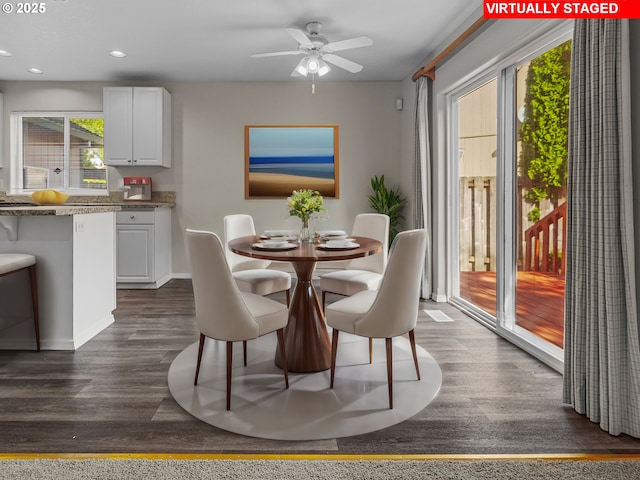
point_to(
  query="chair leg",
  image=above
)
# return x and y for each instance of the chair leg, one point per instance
(283, 355)
(388, 342)
(229, 361)
(370, 350)
(34, 301)
(334, 354)
(412, 340)
(244, 351)
(200, 348)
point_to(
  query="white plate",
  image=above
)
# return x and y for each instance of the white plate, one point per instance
(278, 233)
(332, 233)
(339, 245)
(273, 243)
(262, 246)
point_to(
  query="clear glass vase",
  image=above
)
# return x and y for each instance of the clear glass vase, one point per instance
(305, 233)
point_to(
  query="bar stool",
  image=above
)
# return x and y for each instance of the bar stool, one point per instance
(15, 262)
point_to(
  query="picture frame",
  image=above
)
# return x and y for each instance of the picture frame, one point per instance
(283, 158)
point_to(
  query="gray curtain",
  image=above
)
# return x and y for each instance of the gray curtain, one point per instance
(422, 175)
(602, 352)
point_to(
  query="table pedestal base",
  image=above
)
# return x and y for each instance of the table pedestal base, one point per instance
(306, 340)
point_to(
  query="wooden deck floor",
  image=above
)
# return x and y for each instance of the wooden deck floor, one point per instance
(539, 300)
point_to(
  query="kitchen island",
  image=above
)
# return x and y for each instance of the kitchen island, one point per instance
(75, 251)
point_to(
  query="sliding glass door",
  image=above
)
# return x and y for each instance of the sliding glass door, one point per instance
(508, 171)
(476, 182)
(542, 86)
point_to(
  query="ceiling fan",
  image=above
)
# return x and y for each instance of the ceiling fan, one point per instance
(318, 51)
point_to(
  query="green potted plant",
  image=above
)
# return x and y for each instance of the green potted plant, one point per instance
(388, 201)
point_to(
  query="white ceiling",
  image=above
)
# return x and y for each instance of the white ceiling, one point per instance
(211, 40)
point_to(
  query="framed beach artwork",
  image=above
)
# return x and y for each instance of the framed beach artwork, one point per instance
(282, 158)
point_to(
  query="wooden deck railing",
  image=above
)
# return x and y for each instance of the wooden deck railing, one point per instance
(545, 243)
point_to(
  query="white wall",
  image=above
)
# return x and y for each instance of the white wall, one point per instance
(208, 142)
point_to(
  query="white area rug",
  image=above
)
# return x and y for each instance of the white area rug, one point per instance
(309, 410)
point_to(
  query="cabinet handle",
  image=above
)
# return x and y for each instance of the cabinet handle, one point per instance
(132, 217)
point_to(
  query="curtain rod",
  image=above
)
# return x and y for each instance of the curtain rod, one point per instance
(430, 69)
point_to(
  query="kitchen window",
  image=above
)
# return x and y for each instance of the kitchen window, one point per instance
(61, 151)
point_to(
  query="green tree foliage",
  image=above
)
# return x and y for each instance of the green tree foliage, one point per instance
(95, 126)
(544, 130)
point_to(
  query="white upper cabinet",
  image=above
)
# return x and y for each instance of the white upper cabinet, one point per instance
(137, 126)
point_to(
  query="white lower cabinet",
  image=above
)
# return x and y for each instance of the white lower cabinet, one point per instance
(143, 239)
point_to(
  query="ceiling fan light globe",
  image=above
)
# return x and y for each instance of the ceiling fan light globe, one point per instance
(313, 65)
(301, 68)
(323, 70)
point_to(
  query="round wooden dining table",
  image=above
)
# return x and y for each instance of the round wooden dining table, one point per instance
(307, 343)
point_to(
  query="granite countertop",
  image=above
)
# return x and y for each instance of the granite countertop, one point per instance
(23, 205)
(133, 204)
(37, 210)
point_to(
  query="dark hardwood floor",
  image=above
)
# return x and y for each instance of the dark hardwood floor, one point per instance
(111, 395)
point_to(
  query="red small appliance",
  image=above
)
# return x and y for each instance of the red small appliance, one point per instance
(137, 188)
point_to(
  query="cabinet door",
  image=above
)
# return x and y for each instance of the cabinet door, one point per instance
(118, 138)
(135, 253)
(147, 126)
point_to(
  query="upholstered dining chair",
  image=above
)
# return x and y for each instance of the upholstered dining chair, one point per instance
(364, 273)
(252, 274)
(225, 313)
(390, 311)
(15, 262)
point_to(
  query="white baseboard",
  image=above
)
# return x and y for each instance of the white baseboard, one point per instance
(146, 286)
(163, 280)
(184, 276)
(438, 298)
(47, 343)
(57, 344)
(89, 333)
(19, 344)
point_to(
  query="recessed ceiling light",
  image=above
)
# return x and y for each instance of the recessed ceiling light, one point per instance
(4, 53)
(35, 71)
(117, 54)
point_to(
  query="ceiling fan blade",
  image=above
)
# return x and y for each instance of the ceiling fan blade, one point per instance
(275, 54)
(299, 37)
(341, 62)
(350, 43)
